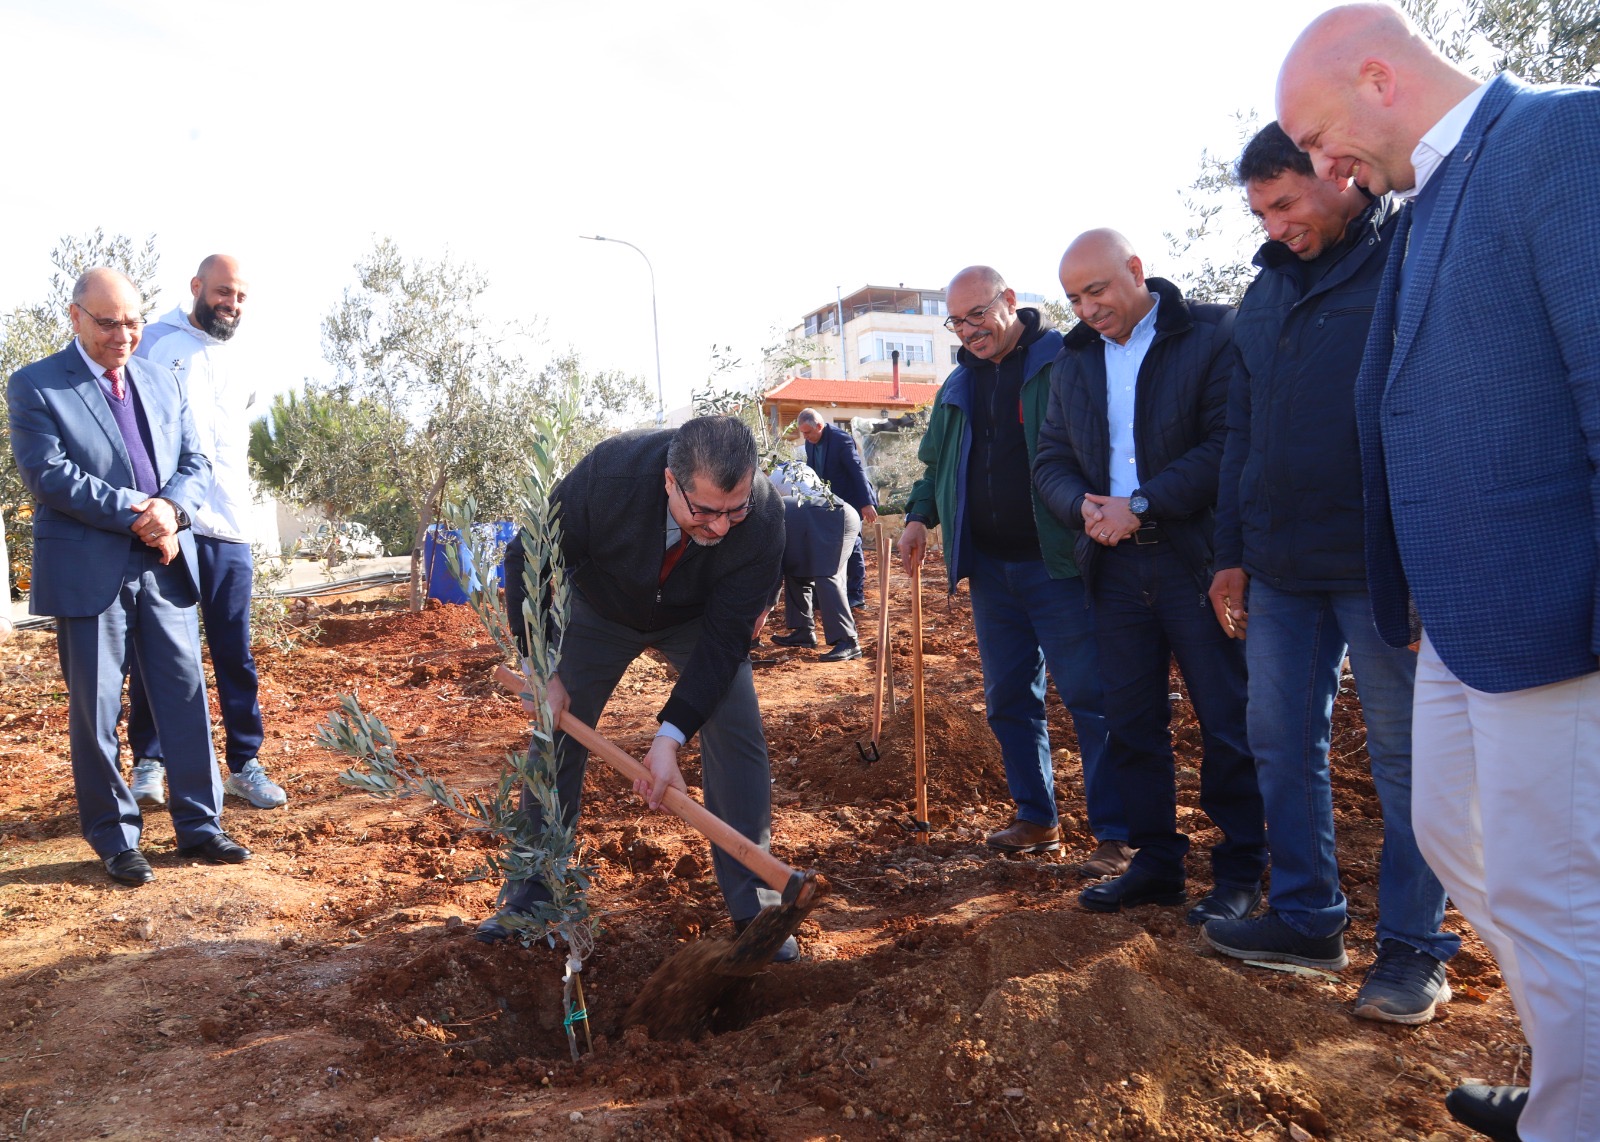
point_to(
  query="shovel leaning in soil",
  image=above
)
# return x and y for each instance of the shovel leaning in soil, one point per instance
(685, 988)
(920, 821)
(869, 753)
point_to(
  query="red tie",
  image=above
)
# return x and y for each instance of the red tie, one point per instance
(118, 389)
(670, 560)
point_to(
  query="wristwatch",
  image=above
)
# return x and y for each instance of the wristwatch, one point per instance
(1139, 506)
(181, 517)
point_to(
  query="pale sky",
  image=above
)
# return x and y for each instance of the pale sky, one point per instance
(761, 153)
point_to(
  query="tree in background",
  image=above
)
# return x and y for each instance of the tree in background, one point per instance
(317, 450)
(1543, 41)
(457, 406)
(31, 332)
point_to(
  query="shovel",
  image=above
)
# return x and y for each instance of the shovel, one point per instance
(920, 822)
(684, 989)
(869, 753)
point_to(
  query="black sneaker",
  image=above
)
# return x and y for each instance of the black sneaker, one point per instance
(1402, 986)
(1269, 939)
(1490, 1110)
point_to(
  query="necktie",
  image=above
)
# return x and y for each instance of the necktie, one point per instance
(118, 388)
(670, 560)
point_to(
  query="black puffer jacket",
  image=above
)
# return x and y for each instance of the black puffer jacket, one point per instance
(1179, 422)
(1289, 506)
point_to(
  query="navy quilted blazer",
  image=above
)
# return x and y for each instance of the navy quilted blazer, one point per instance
(1478, 404)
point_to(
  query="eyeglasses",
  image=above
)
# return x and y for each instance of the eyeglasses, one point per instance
(703, 515)
(133, 325)
(975, 318)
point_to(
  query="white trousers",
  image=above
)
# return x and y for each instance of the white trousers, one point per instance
(1505, 798)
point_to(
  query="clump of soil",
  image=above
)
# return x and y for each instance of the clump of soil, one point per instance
(330, 987)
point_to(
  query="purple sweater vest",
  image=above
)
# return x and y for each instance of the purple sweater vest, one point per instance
(129, 415)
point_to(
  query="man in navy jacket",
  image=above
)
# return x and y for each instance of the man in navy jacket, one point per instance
(1478, 407)
(831, 453)
(1289, 531)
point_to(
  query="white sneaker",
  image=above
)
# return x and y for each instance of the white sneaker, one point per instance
(147, 783)
(254, 786)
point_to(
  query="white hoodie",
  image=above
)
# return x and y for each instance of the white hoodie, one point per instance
(219, 401)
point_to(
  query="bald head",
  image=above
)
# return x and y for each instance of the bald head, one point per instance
(1104, 281)
(1359, 89)
(219, 291)
(106, 316)
(983, 313)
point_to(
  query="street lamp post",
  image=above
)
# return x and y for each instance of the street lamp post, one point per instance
(661, 404)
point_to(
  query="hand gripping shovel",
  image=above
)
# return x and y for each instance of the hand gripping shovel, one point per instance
(684, 989)
(869, 753)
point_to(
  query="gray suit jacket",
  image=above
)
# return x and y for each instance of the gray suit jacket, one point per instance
(73, 460)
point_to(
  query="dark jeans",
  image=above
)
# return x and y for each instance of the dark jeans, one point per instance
(225, 582)
(1025, 622)
(1295, 646)
(1148, 610)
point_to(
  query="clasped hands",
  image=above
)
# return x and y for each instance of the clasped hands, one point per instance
(157, 526)
(1107, 519)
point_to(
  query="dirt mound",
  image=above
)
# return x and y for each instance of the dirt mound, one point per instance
(330, 988)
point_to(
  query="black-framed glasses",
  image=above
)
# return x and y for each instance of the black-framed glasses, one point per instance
(133, 325)
(705, 515)
(975, 318)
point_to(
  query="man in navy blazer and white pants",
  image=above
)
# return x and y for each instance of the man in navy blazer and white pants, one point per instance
(108, 448)
(1479, 412)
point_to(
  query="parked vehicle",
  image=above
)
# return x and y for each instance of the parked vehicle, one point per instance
(349, 540)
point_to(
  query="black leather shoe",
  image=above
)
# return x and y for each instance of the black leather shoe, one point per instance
(841, 652)
(519, 901)
(1225, 903)
(1490, 1110)
(1131, 889)
(130, 867)
(218, 849)
(794, 638)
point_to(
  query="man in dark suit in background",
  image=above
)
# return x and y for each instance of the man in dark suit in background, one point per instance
(831, 452)
(1478, 408)
(108, 448)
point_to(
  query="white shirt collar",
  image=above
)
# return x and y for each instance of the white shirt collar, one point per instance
(1441, 139)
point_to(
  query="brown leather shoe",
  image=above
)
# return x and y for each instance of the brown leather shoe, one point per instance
(1110, 858)
(1025, 837)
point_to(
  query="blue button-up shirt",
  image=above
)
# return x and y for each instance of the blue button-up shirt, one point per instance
(1122, 382)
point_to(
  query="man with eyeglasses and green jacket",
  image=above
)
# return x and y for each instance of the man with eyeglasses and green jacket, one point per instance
(671, 541)
(1028, 605)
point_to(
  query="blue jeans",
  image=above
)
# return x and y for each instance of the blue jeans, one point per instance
(1294, 647)
(1026, 621)
(1148, 610)
(226, 573)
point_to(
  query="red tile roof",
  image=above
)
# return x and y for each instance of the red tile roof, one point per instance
(816, 390)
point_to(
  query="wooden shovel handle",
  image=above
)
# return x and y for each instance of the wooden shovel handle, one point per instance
(741, 848)
(881, 673)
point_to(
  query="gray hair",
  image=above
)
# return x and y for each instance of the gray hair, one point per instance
(808, 416)
(718, 448)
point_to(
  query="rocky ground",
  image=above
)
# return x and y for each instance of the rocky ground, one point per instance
(329, 988)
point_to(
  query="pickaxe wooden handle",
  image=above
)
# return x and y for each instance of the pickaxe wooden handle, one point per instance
(777, 875)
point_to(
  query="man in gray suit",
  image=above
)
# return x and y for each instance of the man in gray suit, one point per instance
(108, 448)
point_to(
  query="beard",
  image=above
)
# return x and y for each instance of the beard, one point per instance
(213, 322)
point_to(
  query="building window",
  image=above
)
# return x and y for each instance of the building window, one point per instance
(955, 351)
(934, 307)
